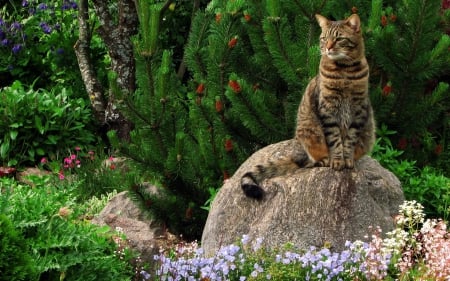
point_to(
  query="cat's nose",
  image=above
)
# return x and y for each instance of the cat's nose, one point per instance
(330, 44)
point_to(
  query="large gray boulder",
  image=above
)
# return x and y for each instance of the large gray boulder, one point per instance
(311, 207)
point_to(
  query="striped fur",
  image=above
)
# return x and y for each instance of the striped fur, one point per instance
(335, 124)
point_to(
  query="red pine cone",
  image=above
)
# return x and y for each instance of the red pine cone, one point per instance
(438, 149)
(384, 20)
(402, 144)
(228, 145)
(200, 89)
(219, 106)
(386, 90)
(234, 85)
(218, 17)
(232, 43)
(225, 175)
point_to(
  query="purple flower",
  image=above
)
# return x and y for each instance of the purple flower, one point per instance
(25, 3)
(65, 6)
(16, 48)
(2, 35)
(16, 26)
(42, 6)
(60, 51)
(69, 5)
(45, 27)
(5, 42)
(145, 275)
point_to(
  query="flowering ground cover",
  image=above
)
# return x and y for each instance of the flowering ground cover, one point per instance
(417, 249)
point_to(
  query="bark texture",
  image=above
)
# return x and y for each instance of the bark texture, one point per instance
(116, 31)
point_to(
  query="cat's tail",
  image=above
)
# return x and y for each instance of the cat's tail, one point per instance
(251, 180)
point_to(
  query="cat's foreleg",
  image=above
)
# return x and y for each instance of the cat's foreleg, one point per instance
(315, 146)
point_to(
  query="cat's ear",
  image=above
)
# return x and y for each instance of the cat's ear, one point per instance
(354, 22)
(323, 21)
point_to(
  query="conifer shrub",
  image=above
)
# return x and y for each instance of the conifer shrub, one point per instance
(248, 64)
(409, 85)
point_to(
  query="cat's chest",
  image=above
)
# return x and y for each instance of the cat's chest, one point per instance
(340, 106)
(341, 86)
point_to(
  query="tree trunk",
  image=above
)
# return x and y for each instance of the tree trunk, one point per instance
(116, 31)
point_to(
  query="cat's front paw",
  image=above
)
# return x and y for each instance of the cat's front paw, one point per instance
(349, 163)
(337, 164)
(325, 162)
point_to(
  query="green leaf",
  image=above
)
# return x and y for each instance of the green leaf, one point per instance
(52, 139)
(31, 152)
(38, 123)
(15, 125)
(13, 134)
(4, 149)
(40, 151)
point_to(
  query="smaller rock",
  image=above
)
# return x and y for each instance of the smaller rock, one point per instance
(143, 234)
(23, 176)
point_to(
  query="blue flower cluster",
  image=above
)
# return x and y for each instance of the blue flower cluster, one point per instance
(12, 31)
(34, 6)
(11, 35)
(357, 260)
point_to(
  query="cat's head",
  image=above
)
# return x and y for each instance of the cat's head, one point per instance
(341, 40)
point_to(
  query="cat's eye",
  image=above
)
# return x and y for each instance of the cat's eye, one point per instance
(341, 39)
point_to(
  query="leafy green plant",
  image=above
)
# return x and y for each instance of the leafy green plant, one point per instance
(99, 173)
(13, 251)
(212, 194)
(37, 39)
(389, 157)
(62, 246)
(96, 204)
(35, 123)
(427, 185)
(432, 190)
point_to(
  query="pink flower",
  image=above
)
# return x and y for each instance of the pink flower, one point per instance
(44, 160)
(77, 148)
(437, 248)
(61, 175)
(73, 156)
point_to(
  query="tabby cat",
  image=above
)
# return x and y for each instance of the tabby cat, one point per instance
(335, 124)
